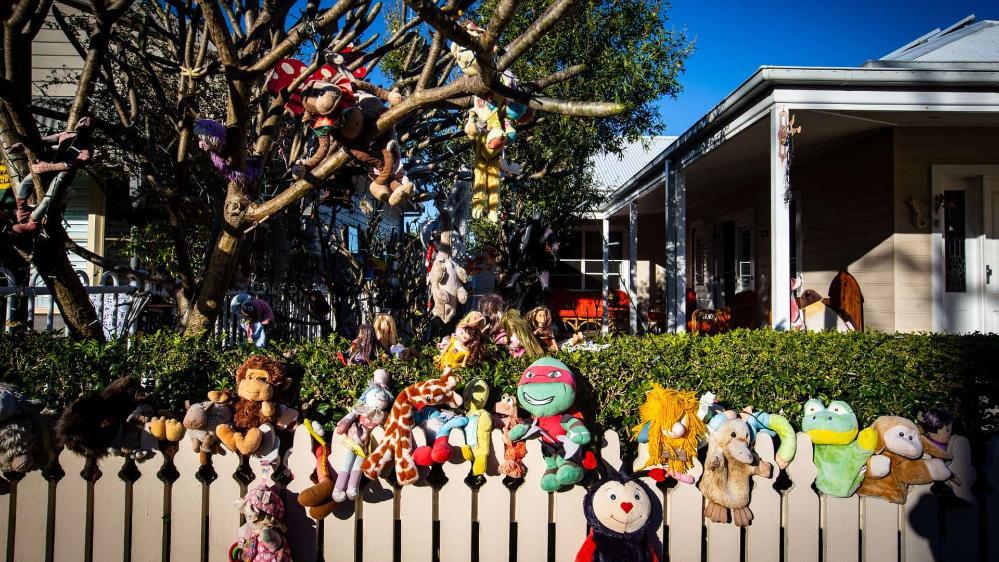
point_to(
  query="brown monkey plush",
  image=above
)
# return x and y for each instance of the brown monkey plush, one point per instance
(260, 381)
(898, 440)
(730, 463)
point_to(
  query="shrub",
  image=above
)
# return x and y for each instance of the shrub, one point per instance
(876, 373)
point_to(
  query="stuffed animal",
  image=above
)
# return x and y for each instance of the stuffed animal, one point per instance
(319, 497)
(506, 417)
(93, 424)
(26, 440)
(773, 425)
(261, 538)
(521, 338)
(478, 430)
(540, 320)
(464, 347)
(201, 421)
(898, 440)
(437, 425)
(260, 381)
(355, 429)
(212, 138)
(397, 443)
(672, 430)
(446, 280)
(728, 468)
(622, 514)
(842, 454)
(547, 390)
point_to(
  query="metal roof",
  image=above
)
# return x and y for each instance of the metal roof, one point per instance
(611, 171)
(968, 40)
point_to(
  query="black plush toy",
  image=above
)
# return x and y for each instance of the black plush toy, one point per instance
(623, 515)
(93, 424)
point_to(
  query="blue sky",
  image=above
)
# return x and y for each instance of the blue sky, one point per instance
(734, 38)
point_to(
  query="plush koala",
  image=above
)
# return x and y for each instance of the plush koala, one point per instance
(25, 433)
(900, 446)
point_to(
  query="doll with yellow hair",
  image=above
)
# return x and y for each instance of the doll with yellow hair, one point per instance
(464, 347)
(672, 429)
(388, 337)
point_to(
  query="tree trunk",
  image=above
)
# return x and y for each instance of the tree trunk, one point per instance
(52, 262)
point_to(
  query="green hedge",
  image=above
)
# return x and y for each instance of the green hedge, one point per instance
(876, 373)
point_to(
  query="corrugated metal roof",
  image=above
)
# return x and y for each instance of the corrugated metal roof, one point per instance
(967, 40)
(611, 171)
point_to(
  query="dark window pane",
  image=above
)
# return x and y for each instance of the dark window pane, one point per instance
(955, 261)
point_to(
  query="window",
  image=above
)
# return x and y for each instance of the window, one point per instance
(744, 257)
(955, 260)
(353, 243)
(700, 252)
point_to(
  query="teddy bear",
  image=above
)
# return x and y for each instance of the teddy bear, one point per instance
(623, 515)
(26, 440)
(260, 381)
(898, 439)
(201, 421)
(728, 468)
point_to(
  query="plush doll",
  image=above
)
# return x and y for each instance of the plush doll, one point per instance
(260, 381)
(261, 538)
(362, 349)
(842, 454)
(622, 514)
(446, 280)
(388, 337)
(935, 428)
(507, 417)
(728, 468)
(540, 320)
(398, 441)
(521, 338)
(26, 440)
(212, 138)
(672, 430)
(898, 440)
(355, 429)
(201, 421)
(93, 423)
(547, 390)
(492, 308)
(464, 347)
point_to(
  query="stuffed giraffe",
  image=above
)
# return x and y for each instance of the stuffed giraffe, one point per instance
(397, 443)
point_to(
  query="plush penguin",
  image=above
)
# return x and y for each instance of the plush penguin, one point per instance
(622, 514)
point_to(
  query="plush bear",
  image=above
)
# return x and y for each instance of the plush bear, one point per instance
(446, 280)
(201, 421)
(622, 514)
(728, 468)
(94, 423)
(841, 453)
(260, 381)
(547, 390)
(671, 428)
(898, 440)
(26, 440)
(507, 417)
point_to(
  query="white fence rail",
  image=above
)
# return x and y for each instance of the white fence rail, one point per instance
(174, 510)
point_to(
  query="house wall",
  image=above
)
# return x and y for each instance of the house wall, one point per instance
(52, 56)
(916, 151)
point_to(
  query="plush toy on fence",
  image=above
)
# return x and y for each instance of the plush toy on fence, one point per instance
(773, 425)
(355, 430)
(262, 537)
(671, 428)
(898, 440)
(842, 454)
(132, 442)
(201, 421)
(521, 337)
(464, 347)
(540, 320)
(478, 431)
(437, 425)
(728, 468)
(398, 441)
(319, 497)
(935, 429)
(622, 514)
(260, 381)
(26, 439)
(507, 417)
(547, 390)
(94, 422)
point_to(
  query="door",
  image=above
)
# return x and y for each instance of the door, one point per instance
(990, 186)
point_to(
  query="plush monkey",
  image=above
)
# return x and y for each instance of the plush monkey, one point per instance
(260, 381)
(899, 441)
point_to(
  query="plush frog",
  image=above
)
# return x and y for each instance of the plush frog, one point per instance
(842, 455)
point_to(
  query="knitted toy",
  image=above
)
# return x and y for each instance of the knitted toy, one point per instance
(261, 538)
(260, 381)
(446, 280)
(464, 347)
(540, 320)
(730, 464)
(201, 421)
(397, 443)
(492, 308)
(521, 338)
(842, 455)
(898, 440)
(506, 417)
(26, 440)
(547, 390)
(672, 430)
(212, 139)
(93, 423)
(622, 514)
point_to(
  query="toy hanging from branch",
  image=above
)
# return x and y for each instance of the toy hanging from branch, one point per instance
(446, 280)
(212, 138)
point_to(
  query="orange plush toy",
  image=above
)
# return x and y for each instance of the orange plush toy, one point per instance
(899, 441)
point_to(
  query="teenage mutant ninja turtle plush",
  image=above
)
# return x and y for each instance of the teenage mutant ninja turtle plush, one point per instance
(623, 515)
(547, 390)
(842, 455)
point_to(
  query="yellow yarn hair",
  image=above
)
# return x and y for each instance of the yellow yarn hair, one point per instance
(664, 407)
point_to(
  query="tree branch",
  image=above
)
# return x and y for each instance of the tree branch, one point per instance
(519, 46)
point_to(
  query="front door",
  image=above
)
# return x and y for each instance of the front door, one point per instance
(990, 185)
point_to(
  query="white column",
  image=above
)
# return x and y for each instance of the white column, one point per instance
(633, 266)
(669, 290)
(681, 251)
(605, 277)
(780, 227)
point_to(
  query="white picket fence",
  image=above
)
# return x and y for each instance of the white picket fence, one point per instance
(131, 514)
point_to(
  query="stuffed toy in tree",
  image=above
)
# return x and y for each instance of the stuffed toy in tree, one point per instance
(842, 454)
(201, 421)
(547, 390)
(507, 417)
(540, 320)
(94, 422)
(446, 280)
(521, 340)
(672, 430)
(898, 440)
(26, 439)
(262, 537)
(464, 347)
(622, 515)
(260, 381)
(212, 138)
(728, 468)
(397, 443)
(532, 249)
